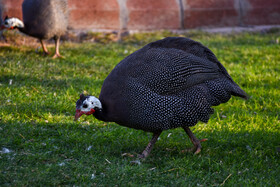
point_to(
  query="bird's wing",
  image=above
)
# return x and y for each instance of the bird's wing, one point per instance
(166, 70)
(191, 47)
(174, 71)
(169, 66)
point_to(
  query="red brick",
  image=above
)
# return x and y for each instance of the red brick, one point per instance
(81, 19)
(94, 4)
(12, 8)
(162, 14)
(12, 3)
(89, 14)
(209, 4)
(264, 3)
(211, 13)
(159, 14)
(258, 16)
(261, 12)
(150, 5)
(210, 18)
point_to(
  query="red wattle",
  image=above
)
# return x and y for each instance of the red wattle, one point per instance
(90, 112)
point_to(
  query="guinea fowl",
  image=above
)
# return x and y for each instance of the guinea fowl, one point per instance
(1, 20)
(167, 84)
(1, 23)
(42, 19)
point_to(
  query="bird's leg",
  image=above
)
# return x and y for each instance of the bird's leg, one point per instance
(56, 55)
(44, 48)
(196, 142)
(149, 147)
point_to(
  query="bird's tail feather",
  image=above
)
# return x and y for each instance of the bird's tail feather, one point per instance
(237, 91)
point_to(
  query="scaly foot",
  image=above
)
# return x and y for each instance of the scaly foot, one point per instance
(195, 141)
(197, 147)
(57, 56)
(45, 53)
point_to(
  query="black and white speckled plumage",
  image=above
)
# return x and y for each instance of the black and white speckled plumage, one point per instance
(167, 84)
(45, 19)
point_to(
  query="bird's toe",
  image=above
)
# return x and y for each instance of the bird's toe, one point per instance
(142, 156)
(57, 56)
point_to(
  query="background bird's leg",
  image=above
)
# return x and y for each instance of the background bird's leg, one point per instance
(44, 47)
(149, 147)
(56, 40)
(196, 142)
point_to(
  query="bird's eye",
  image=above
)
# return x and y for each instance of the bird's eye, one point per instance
(85, 105)
(92, 103)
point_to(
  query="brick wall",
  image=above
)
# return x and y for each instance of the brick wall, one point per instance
(162, 14)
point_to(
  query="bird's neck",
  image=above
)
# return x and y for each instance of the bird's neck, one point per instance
(102, 113)
(22, 29)
(19, 24)
(99, 114)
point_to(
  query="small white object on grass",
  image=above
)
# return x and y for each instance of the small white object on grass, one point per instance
(92, 176)
(5, 150)
(136, 162)
(108, 161)
(61, 164)
(248, 148)
(89, 147)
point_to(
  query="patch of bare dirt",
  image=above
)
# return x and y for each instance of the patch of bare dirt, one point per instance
(15, 38)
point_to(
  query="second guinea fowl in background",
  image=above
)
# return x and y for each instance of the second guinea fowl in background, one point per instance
(42, 19)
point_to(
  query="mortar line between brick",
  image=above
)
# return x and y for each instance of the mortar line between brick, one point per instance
(181, 14)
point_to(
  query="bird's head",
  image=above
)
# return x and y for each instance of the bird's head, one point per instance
(12, 23)
(87, 105)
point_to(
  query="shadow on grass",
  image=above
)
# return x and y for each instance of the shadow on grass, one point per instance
(23, 51)
(114, 140)
(40, 96)
(78, 149)
(9, 49)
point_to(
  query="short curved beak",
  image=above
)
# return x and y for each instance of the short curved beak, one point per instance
(78, 114)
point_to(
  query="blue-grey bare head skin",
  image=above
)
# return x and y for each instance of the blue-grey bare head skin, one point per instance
(87, 105)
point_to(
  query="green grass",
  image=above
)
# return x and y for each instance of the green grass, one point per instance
(37, 106)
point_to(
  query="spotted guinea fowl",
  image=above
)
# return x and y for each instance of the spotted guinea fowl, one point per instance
(1, 22)
(2, 27)
(167, 84)
(42, 19)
